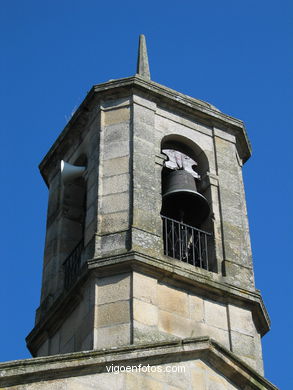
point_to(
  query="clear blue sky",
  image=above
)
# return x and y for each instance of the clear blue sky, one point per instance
(233, 54)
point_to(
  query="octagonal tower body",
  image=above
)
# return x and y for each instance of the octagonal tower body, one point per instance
(108, 280)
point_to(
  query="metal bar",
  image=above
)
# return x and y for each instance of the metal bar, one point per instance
(72, 265)
(193, 248)
(173, 243)
(186, 243)
(180, 241)
(199, 250)
(192, 227)
(207, 255)
(166, 237)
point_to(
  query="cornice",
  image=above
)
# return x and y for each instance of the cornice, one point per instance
(172, 98)
(77, 364)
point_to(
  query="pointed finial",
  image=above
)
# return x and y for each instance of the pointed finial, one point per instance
(143, 68)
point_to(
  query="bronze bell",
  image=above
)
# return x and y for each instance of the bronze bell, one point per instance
(182, 201)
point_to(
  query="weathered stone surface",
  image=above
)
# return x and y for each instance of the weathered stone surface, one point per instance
(173, 300)
(113, 288)
(196, 308)
(241, 320)
(143, 68)
(155, 366)
(113, 313)
(145, 313)
(142, 295)
(115, 202)
(115, 116)
(116, 150)
(116, 166)
(145, 288)
(111, 223)
(175, 324)
(116, 184)
(112, 336)
(216, 315)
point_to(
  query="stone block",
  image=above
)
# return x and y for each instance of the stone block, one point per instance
(173, 300)
(109, 314)
(198, 377)
(144, 131)
(243, 345)
(87, 342)
(115, 202)
(116, 166)
(84, 328)
(113, 243)
(68, 346)
(110, 223)
(148, 220)
(149, 334)
(238, 275)
(216, 314)
(175, 324)
(241, 320)
(68, 328)
(116, 149)
(55, 344)
(115, 103)
(116, 116)
(201, 329)
(112, 336)
(143, 148)
(196, 308)
(113, 288)
(115, 184)
(145, 313)
(43, 349)
(116, 133)
(144, 102)
(258, 354)
(145, 288)
(135, 382)
(175, 375)
(217, 382)
(102, 381)
(146, 242)
(143, 115)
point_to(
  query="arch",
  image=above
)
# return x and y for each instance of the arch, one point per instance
(188, 147)
(186, 214)
(72, 229)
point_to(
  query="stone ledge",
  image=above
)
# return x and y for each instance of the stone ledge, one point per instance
(95, 362)
(204, 282)
(178, 273)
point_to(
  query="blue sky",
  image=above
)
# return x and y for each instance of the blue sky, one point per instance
(232, 54)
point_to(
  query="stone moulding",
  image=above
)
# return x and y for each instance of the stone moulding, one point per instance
(136, 84)
(95, 362)
(197, 281)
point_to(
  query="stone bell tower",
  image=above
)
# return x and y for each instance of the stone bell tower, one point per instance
(147, 253)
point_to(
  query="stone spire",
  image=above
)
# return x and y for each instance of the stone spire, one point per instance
(142, 59)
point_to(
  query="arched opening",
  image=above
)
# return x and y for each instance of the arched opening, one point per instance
(73, 224)
(186, 210)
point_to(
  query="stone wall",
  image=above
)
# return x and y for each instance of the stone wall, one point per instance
(198, 363)
(133, 308)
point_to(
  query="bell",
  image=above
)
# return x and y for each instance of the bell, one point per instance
(182, 201)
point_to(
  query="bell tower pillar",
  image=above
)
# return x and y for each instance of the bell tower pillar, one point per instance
(147, 235)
